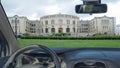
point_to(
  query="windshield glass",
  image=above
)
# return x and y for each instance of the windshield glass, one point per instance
(54, 23)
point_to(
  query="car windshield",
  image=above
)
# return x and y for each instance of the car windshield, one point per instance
(54, 23)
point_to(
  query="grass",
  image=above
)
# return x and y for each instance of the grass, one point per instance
(72, 43)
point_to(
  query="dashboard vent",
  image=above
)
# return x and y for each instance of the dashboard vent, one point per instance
(95, 65)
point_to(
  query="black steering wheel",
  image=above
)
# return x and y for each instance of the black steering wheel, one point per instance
(10, 63)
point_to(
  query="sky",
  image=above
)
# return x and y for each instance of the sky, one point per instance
(34, 9)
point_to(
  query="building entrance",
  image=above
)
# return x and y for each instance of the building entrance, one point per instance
(60, 30)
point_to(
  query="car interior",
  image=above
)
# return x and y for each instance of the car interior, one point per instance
(41, 56)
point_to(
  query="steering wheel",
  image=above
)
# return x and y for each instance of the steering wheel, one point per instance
(10, 63)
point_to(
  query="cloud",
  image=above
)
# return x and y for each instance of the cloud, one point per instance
(33, 16)
(53, 9)
(34, 9)
(110, 1)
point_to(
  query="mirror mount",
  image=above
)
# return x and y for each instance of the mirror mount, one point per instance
(91, 7)
(89, 2)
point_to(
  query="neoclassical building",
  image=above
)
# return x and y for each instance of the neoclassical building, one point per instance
(102, 25)
(22, 25)
(18, 24)
(59, 23)
(98, 25)
(62, 23)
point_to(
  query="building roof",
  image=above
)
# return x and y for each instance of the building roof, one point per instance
(59, 15)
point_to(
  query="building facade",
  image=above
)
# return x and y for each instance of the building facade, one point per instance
(102, 25)
(59, 23)
(62, 23)
(33, 27)
(18, 24)
(21, 25)
(98, 25)
(83, 28)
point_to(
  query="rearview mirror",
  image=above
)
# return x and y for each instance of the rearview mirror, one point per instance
(91, 9)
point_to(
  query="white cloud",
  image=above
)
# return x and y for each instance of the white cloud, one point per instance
(54, 9)
(114, 11)
(34, 9)
(34, 16)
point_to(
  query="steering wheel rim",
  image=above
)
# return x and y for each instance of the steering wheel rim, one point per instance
(17, 53)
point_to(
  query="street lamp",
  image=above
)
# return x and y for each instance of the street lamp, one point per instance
(16, 27)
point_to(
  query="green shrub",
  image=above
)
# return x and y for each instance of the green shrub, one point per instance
(60, 35)
(72, 38)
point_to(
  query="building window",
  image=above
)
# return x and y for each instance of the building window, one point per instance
(52, 22)
(60, 21)
(53, 30)
(105, 21)
(105, 27)
(46, 30)
(73, 29)
(67, 26)
(12, 21)
(68, 22)
(33, 25)
(67, 30)
(46, 22)
(42, 30)
(52, 26)
(73, 22)
(18, 21)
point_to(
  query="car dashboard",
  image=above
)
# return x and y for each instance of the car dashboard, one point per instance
(72, 58)
(80, 58)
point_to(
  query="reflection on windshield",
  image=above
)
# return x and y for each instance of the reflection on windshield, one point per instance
(57, 20)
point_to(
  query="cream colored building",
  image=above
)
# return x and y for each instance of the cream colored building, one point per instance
(83, 28)
(62, 23)
(22, 25)
(33, 27)
(59, 23)
(18, 24)
(102, 25)
(98, 25)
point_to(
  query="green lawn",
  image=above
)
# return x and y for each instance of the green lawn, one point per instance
(72, 43)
